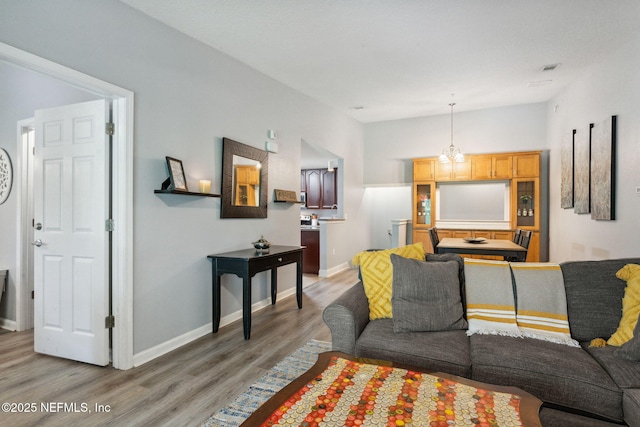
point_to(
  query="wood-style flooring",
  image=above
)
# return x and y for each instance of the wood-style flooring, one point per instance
(182, 388)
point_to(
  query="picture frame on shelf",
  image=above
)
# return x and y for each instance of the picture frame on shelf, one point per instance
(176, 174)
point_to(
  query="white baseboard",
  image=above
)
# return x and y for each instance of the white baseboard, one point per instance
(177, 342)
(10, 325)
(334, 270)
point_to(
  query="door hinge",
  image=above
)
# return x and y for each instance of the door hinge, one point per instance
(110, 322)
(109, 224)
(110, 129)
(33, 294)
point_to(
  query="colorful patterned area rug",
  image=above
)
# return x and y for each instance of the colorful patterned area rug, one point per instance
(290, 368)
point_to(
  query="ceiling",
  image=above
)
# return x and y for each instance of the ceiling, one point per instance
(381, 60)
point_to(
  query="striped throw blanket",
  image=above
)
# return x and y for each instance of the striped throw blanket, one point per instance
(542, 302)
(491, 306)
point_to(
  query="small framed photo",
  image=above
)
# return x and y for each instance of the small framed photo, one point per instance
(176, 174)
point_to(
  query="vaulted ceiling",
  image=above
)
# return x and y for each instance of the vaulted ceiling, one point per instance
(390, 59)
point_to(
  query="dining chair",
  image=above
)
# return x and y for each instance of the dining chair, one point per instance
(525, 239)
(516, 236)
(433, 235)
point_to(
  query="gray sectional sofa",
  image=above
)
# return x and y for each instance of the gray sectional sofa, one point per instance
(579, 386)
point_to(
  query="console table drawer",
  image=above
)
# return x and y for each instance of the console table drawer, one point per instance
(265, 262)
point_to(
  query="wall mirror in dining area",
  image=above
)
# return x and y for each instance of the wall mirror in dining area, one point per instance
(244, 180)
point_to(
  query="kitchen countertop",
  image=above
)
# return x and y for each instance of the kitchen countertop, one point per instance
(310, 227)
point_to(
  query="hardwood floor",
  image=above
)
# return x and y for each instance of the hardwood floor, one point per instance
(182, 388)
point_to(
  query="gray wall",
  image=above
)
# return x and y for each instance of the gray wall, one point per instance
(610, 88)
(187, 97)
(392, 145)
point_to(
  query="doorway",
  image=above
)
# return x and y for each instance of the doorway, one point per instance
(26, 140)
(121, 269)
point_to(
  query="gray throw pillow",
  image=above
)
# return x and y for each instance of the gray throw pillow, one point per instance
(631, 349)
(426, 296)
(457, 258)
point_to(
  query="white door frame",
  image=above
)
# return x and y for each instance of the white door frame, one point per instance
(122, 187)
(24, 184)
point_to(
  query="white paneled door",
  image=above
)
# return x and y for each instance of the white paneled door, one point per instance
(71, 253)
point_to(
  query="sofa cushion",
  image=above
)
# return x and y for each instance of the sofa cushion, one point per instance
(377, 276)
(426, 296)
(550, 417)
(444, 351)
(625, 373)
(560, 375)
(594, 296)
(630, 273)
(631, 405)
(631, 349)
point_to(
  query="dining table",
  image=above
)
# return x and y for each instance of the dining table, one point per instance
(496, 247)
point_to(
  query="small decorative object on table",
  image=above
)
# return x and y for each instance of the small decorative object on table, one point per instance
(262, 246)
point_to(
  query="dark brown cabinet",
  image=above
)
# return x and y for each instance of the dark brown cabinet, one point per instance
(314, 188)
(329, 193)
(321, 188)
(310, 239)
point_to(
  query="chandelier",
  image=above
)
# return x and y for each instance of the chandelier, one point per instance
(451, 152)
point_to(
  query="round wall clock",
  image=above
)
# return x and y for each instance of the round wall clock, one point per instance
(6, 175)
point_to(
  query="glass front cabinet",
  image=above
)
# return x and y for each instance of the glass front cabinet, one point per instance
(423, 206)
(526, 203)
(424, 212)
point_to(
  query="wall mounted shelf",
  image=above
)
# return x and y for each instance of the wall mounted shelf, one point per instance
(185, 193)
(286, 196)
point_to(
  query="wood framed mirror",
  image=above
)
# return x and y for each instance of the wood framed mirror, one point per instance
(244, 180)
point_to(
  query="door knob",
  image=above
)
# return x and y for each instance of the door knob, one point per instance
(37, 243)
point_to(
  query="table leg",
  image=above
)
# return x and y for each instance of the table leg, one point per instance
(299, 280)
(215, 291)
(246, 306)
(274, 284)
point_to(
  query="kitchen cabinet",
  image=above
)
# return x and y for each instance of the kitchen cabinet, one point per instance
(526, 165)
(521, 169)
(461, 234)
(486, 167)
(310, 239)
(321, 187)
(423, 170)
(329, 189)
(303, 181)
(453, 171)
(313, 188)
(422, 236)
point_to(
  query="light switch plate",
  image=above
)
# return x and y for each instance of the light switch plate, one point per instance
(271, 146)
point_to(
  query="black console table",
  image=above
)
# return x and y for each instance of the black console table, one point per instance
(245, 264)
